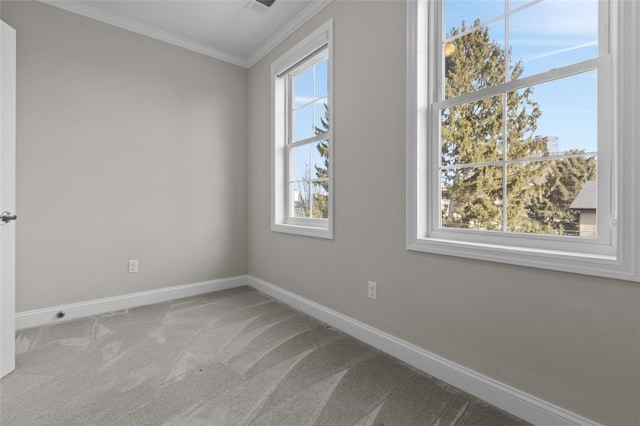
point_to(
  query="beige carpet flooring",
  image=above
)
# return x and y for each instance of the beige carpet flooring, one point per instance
(235, 357)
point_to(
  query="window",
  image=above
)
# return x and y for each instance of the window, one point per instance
(517, 132)
(302, 143)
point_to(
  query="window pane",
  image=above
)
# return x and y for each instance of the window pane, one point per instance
(554, 118)
(456, 11)
(556, 197)
(553, 34)
(472, 132)
(303, 88)
(299, 202)
(322, 79)
(320, 160)
(300, 156)
(474, 61)
(514, 4)
(321, 119)
(471, 198)
(320, 203)
(303, 123)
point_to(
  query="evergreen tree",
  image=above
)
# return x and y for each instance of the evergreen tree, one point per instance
(562, 185)
(313, 192)
(321, 198)
(474, 133)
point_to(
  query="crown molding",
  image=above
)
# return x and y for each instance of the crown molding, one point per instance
(293, 25)
(127, 24)
(145, 30)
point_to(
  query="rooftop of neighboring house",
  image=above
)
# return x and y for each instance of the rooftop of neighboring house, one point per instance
(587, 197)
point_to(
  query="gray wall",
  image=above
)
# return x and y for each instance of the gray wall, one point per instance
(570, 339)
(132, 148)
(127, 148)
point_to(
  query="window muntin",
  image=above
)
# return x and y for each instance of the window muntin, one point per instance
(308, 143)
(490, 125)
(541, 34)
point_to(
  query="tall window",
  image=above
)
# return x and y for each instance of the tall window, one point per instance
(514, 141)
(302, 142)
(308, 138)
(516, 127)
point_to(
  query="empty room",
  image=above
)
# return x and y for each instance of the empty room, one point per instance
(320, 212)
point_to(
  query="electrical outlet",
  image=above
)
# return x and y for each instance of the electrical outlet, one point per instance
(133, 266)
(372, 292)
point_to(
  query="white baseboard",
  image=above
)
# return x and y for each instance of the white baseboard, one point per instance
(44, 316)
(514, 401)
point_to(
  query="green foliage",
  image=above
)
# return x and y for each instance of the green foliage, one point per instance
(474, 133)
(565, 180)
(538, 193)
(318, 179)
(316, 188)
(321, 197)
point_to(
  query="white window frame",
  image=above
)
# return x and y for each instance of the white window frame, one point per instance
(288, 63)
(614, 253)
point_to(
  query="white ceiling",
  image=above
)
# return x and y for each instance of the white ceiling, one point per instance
(236, 31)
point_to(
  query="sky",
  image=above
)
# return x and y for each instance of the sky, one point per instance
(310, 95)
(545, 35)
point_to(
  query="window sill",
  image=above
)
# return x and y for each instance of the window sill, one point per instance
(580, 263)
(307, 231)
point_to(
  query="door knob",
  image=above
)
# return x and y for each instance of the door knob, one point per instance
(7, 217)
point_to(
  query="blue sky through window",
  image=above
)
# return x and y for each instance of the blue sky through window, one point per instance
(309, 96)
(310, 89)
(545, 35)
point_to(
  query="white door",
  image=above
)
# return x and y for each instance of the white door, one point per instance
(7, 198)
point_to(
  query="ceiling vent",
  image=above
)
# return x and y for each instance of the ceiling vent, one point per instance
(267, 3)
(259, 6)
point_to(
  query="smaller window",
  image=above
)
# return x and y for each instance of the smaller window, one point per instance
(302, 143)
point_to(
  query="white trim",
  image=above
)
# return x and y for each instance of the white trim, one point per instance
(92, 12)
(626, 111)
(521, 83)
(44, 316)
(83, 9)
(307, 231)
(293, 25)
(280, 221)
(514, 401)
(615, 254)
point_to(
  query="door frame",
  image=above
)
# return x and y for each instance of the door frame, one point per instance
(7, 197)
